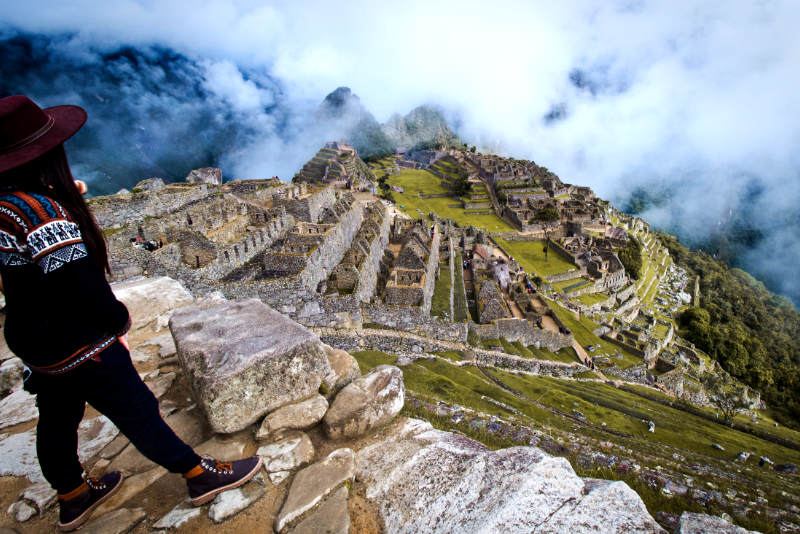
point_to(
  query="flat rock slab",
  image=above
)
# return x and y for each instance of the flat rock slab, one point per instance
(18, 451)
(690, 523)
(147, 299)
(289, 453)
(116, 522)
(231, 502)
(244, 359)
(298, 416)
(332, 517)
(314, 483)
(181, 514)
(131, 486)
(366, 403)
(189, 425)
(19, 407)
(165, 344)
(423, 479)
(160, 384)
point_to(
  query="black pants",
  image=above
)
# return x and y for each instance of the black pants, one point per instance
(113, 387)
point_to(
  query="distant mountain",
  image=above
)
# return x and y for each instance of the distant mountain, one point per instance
(345, 116)
(422, 124)
(343, 113)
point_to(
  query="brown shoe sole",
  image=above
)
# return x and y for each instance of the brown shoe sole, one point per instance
(207, 497)
(81, 519)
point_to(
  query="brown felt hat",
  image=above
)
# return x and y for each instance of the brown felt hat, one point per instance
(28, 131)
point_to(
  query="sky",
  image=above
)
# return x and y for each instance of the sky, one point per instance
(697, 102)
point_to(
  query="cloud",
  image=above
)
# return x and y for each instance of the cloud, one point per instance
(697, 98)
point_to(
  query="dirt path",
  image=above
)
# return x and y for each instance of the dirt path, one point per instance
(515, 311)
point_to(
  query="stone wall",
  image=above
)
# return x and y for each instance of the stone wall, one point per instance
(413, 319)
(430, 272)
(522, 330)
(404, 343)
(121, 210)
(368, 270)
(296, 296)
(307, 209)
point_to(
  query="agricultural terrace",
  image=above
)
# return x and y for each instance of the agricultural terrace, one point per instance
(620, 410)
(583, 329)
(418, 182)
(531, 256)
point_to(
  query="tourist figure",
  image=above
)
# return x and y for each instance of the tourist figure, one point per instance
(64, 322)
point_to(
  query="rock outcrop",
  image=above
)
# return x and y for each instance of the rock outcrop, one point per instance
(428, 480)
(244, 360)
(366, 403)
(206, 175)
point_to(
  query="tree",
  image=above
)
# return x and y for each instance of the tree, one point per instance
(461, 186)
(549, 214)
(724, 396)
(631, 257)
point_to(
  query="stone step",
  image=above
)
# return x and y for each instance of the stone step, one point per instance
(312, 484)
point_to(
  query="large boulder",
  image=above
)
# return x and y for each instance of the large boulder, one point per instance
(206, 175)
(426, 480)
(243, 360)
(366, 403)
(151, 299)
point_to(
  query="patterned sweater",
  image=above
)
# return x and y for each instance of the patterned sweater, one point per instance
(60, 311)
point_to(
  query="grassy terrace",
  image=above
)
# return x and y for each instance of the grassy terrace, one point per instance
(590, 299)
(530, 254)
(566, 355)
(459, 297)
(619, 410)
(582, 330)
(417, 182)
(441, 293)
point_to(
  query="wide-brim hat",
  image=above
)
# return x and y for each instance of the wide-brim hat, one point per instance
(28, 131)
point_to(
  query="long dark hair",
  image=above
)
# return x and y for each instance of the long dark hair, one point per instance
(51, 176)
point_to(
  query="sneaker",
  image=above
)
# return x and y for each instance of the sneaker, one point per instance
(76, 507)
(212, 477)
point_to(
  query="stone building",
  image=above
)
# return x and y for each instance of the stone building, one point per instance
(412, 278)
(491, 304)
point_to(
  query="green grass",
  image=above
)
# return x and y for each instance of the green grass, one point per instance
(623, 411)
(416, 182)
(441, 294)
(590, 299)
(459, 297)
(368, 359)
(582, 330)
(560, 286)
(531, 256)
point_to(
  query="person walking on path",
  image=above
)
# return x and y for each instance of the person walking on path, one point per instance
(64, 322)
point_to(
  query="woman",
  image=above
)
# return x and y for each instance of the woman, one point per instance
(64, 322)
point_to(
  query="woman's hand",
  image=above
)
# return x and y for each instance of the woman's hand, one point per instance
(82, 187)
(123, 339)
